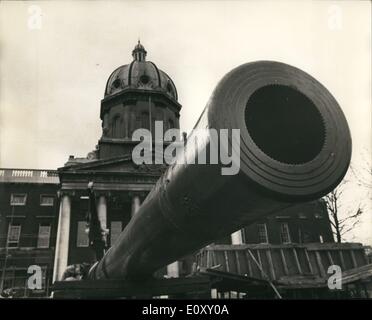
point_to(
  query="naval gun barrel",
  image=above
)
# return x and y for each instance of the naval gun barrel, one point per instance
(295, 146)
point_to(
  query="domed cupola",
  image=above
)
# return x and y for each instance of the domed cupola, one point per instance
(140, 74)
(136, 96)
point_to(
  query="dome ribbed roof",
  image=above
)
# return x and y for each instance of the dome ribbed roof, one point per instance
(140, 74)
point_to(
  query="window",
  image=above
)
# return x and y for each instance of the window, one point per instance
(115, 230)
(116, 127)
(18, 199)
(138, 123)
(43, 236)
(145, 79)
(170, 89)
(14, 234)
(262, 233)
(284, 233)
(46, 200)
(116, 83)
(82, 235)
(318, 215)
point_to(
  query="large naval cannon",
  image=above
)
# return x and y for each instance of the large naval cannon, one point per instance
(294, 146)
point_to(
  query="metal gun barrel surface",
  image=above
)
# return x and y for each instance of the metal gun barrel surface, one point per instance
(295, 146)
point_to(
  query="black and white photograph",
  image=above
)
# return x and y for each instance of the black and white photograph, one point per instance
(181, 150)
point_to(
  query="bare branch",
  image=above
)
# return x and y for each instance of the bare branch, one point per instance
(340, 225)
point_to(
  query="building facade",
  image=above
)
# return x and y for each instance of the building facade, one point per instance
(28, 226)
(307, 223)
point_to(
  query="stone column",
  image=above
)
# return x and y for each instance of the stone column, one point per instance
(173, 270)
(136, 203)
(63, 237)
(102, 214)
(236, 237)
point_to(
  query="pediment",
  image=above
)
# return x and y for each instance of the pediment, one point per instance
(114, 165)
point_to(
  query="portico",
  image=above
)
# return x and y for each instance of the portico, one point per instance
(119, 188)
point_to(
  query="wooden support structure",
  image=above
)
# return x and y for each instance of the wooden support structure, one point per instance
(274, 260)
(250, 273)
(309, 262)
(329, 255)
(284, 262)
(270, 260)
(343, 266)
(264, 275)
(237, 262)
(259, 264)
(226, 261)
(353, 259)
(320, 264)
(297, 261)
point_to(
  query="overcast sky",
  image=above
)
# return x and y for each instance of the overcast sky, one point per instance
(53, 70)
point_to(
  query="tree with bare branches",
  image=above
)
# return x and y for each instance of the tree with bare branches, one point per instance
(341, 222)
